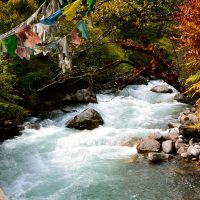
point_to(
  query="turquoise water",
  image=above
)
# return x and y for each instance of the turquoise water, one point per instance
(57, 163)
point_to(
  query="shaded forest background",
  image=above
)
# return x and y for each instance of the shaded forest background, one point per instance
(129, 38)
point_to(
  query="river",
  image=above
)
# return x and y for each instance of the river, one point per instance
(57, 163)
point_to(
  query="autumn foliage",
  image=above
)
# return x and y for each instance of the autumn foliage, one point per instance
(189, 26)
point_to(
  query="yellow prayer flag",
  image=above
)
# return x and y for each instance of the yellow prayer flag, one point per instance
(70, 10)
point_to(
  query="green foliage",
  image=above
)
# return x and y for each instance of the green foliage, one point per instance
(9, 108)
(12, 111)
(193, 78)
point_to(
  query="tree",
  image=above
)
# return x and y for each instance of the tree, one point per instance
(9, 108)
(189, 27)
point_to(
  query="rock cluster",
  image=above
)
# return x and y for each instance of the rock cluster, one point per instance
(157, 146)
(182, 139)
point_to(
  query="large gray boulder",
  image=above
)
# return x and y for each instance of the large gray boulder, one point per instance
(167, 146)
(148, 145)
(83, 95)
(181, 98)
(161, 89)
(88, 119)
(155, 157)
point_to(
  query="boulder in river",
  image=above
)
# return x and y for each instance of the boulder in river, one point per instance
(148, 145)
(83, 95)
(167, 146)
(88, 119)
(181, 98)
(155, 157)
(161, 89)
(157, 136)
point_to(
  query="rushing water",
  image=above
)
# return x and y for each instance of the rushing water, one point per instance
(57, 163)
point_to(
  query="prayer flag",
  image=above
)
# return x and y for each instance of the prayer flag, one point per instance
(52, 19)
(10, 44)
(82, 27)
(90, 6)
(75, 37)
(70, 10)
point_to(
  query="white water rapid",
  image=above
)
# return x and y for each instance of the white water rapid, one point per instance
(57, 163)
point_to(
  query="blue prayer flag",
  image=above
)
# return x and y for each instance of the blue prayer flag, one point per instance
(52, 19)
(82, 27)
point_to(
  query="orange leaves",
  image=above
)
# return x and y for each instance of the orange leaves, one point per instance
(189, 25)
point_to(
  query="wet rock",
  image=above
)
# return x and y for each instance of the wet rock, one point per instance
(189, 132)
(155, 157)
(182, 150)
(83, 95)
(141, 80)
(88, 119)
(192, 151)
(188, 119)
(193, 141)
(173, 134)
(148, 145)
(161, 89)
(167, 146)
(181, 98)
(130, 142)
(152, 77)
(197, 146)
(184, 155)
(193, 110)
(194, 159)
(29, 125)
(2, 195)
(186, 111)
(135, 159)
(173, 125)
(179, 143)
(157, 136)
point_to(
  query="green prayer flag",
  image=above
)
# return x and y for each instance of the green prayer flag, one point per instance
(10, 44)
(90, 6)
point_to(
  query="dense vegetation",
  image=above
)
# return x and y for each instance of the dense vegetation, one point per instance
(157, 38)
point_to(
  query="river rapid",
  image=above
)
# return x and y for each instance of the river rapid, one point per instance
(57, 163)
